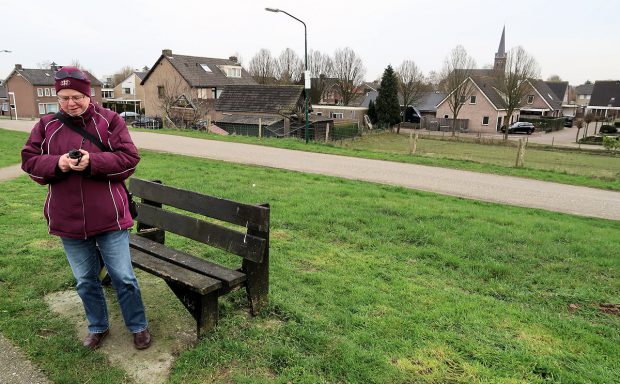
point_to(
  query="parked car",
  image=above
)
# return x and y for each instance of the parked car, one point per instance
(568, 121)
(520, 127)
(129, 115)
(148, 122)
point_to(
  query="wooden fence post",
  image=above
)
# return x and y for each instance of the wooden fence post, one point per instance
(327, 132)
(260, 128)
(520, 154)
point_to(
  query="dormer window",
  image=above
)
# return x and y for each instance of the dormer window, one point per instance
(231, 70)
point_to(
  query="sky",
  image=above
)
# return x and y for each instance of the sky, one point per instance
(576, 40)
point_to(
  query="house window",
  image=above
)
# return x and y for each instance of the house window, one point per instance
(47, 108)
(107, 94)
(319, 113)
(485, 120)
(445, 117)
(161, 93)
(52, 107)
(353, 114)
(233, 72)
(203, 93)
(530, 99)
(92, 91)
(47, 91)
(337, 115)
(53, 91)
(472, 99)
(40, 92)
(463, 99)
(127, 91)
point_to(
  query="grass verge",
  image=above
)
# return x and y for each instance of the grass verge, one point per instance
(584, 168)
(11, 143)
(369, 284)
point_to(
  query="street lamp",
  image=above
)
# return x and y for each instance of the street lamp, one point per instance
(306, 76)
(9, 93)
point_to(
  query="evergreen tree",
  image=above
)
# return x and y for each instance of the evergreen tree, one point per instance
(388, 107)
(372, 112)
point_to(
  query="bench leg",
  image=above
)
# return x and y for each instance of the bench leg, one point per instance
(257, 284)
(203, 308)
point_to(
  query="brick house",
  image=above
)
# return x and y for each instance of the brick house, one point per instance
(483, 107)
(33, 94)
(605, 100)
(184, 88)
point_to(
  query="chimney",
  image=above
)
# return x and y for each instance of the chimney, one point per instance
(166, 52)
(18, 67)
(54, 66)
(233, 59)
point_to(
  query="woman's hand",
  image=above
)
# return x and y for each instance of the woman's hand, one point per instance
(81, 164)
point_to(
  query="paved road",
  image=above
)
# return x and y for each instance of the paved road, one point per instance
(471, 185)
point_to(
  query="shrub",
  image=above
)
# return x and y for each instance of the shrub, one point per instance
(617, 124)
(606, 128)
(611, 143)
(596, 140)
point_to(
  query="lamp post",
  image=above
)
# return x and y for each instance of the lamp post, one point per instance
(8, 96)
(306, 77)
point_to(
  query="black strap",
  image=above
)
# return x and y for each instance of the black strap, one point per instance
(82, 131)
(91, 138)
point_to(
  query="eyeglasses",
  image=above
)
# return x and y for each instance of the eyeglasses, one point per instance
(76, 98)
(61, 75)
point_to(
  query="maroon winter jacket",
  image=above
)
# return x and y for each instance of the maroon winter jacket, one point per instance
(83, 204)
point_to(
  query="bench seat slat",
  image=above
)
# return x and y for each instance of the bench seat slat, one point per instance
(229, 277)
(247, 246)
(171, 272)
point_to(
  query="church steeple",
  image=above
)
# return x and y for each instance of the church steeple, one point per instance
(500, 55)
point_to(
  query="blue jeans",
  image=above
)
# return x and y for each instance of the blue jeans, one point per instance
(84, 261)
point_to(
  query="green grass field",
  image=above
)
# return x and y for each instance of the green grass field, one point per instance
(369, 284)
(11, 143)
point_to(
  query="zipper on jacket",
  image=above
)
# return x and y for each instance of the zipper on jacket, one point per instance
(83, 207)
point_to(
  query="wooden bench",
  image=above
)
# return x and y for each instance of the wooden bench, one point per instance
(197, 282)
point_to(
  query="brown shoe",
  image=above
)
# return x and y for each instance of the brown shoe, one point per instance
(94, 340)
(142, 340)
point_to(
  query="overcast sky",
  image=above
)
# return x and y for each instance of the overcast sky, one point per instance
(577, 40)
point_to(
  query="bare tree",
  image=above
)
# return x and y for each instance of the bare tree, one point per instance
(410, 85)
(180, 103)
(121, 75)
(579, 125)
(513, 82)
(456, 82)
(349, 72)
(289, 67)
(45, 64)
(320, 66)
(554, 78)
(262, 67)
(588, 118)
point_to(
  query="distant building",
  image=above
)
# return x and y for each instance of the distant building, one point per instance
(32, 93)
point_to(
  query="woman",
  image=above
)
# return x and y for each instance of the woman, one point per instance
(86, 203)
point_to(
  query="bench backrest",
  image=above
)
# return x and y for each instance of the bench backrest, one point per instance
(250, 245)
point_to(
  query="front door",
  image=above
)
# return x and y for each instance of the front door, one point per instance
(499, 123)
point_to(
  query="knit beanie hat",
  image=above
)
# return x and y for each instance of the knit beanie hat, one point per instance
(72, 78)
